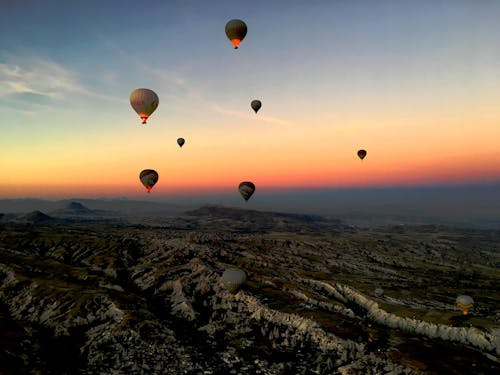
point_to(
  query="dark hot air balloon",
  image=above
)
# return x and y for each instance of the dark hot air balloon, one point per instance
(236, 31)
(149, 178)
(180, 141)
(362, 154)
(256, 104)
(144, 102)
(246, 190)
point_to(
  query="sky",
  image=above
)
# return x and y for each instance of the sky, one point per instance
(415, 83)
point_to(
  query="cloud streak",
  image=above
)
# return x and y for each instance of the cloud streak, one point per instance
(165, 75)
(45, 78)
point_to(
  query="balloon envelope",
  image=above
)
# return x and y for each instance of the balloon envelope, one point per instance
(180, 141)
(362, 154)
(149, 178)
(256, 104)
(379, 292)
(144, 102)
(246, 189)
(232, 279)
(236, 31)
(464, 302)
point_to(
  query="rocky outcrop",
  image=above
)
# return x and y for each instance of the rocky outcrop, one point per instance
(466, 335)
(132, 300)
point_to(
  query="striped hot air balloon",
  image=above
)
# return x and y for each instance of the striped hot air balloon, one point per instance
(246, 189)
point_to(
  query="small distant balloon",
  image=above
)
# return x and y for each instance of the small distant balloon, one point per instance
(148, 177)
(362, 154)
(256, 104)
(465, 303)
(246, 190)
(232, 279)
(180, 141)
(379, 292)
(236, 31)
(144, 102)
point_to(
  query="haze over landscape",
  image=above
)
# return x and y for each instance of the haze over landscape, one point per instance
(326, 262)
(476, 206)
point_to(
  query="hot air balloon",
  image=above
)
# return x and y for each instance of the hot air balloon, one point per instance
(379, 292)
(236, 31)
(362, 154)
(180, 141)
(246, 190)
(256, 104)
(149, 178)
(465, 303)
(232, 279)
(144, 102)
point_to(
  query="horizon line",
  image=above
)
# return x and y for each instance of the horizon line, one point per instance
(265, 191)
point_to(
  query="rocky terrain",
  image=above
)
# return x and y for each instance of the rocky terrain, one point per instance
(131, 297)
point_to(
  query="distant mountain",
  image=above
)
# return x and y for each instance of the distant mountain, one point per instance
(82, 207)
(36, 217)
(17, 206)
(237, 219)
(135, 208)
(240, 214)
(77, 207)
(73, 208)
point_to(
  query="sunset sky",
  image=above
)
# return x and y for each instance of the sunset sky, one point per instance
(415, 83)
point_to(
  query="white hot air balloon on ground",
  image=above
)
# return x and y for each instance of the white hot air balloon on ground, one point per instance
(232, 279)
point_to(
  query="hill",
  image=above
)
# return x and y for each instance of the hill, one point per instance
(214, 217)
(36, 217)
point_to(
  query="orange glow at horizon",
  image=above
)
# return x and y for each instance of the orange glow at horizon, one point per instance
(347, 173)
(427, 148)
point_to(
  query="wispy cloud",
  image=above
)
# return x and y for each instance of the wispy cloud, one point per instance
(42, 77)
(165, 75)
(248, 116)
(177, 83)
